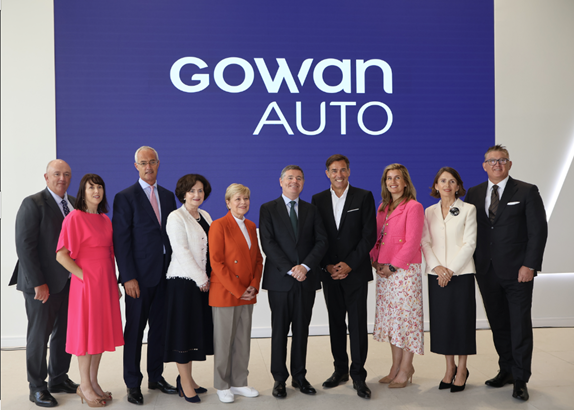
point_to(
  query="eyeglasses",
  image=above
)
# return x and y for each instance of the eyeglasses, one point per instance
(501, 161)
(153, 163)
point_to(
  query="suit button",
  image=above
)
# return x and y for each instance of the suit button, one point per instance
(400, 240)
(492, 227)
(382, 243)
(236, 276)
(235, 261)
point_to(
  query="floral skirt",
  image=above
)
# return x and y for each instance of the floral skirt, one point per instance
(399, 314)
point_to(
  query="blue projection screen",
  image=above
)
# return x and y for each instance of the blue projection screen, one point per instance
(237, 90)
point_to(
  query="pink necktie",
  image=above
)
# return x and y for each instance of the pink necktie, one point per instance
(153, 201)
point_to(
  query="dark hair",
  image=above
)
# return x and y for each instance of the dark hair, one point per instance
(81, 196)
(409, 193)
(186, 182)
(498, 148)
(335, 158)
(291, 168)
(461, 191)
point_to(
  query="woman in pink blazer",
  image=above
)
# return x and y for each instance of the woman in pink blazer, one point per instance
(398, 262)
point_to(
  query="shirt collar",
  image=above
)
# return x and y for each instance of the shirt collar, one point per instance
(344, 192)
(501, 184)
(145, 185)
(57, 197)
(287, 200)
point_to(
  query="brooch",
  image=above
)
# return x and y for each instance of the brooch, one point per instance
(455, 211)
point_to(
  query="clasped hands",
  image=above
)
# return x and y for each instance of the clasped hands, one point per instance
(444, 275)
(299, 272)
(338, 271)
(249, 293)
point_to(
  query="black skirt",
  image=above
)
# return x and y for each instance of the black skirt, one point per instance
(453, 316)
(189, 323)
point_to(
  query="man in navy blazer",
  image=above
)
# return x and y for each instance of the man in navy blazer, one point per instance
(348, 214)
(143, 254)
(45, 284)
(512, 232)
(294, 241)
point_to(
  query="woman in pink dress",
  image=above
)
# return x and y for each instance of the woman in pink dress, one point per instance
(94, 320)
(398, 262)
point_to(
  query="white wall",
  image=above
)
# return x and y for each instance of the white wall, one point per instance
(534, 117)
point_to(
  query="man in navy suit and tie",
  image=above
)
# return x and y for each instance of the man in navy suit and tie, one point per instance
(348, 214)
(294, 241)
(143, 254)
(512, 232)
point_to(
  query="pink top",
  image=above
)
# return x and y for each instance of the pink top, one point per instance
(400, 244)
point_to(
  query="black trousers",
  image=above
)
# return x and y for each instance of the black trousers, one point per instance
(47, 322)
(150, 306)
(292, 308)
(508, 305)
(342, 302)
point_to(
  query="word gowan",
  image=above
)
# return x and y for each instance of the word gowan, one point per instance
(284, 75)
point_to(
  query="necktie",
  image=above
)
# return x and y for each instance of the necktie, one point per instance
(293, 216)
(493, 203)
(65, 207)
(153, 201)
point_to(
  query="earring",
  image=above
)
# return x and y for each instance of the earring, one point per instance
(456, 192)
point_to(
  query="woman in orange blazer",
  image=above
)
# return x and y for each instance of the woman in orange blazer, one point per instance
(236, 264)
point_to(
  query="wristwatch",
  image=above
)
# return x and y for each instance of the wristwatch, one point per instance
(392, 268)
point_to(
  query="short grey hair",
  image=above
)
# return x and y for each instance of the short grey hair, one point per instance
(144, 147)
(235, 189)
(292, 167)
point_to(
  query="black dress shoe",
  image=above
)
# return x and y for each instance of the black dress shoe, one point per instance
(520, 390)
(43, 398)
(163, 386)
(67, 386)
(362, 389)
(443, 385)
(335, 379)
(501, 379)
(135, 396)
(304, 386)
(279, 390)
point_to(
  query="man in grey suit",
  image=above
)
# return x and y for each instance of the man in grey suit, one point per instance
(45, 284)
(348, 214)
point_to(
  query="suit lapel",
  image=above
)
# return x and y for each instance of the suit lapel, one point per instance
(481, 196)
(303, 211)
(346, 207)
(509, 191)
(399, 210)
(281, 210)
(237, 235)
(163, 202)
(142, 199)
(51, 202)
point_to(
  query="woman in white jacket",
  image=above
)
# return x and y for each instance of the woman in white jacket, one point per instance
(448, 242)
(189, 323)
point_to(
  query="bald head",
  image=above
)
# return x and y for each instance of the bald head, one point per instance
(58, 176)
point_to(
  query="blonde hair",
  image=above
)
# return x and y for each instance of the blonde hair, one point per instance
(408, 194)
(235, 189)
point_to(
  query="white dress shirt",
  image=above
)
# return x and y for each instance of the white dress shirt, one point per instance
(241, 223)
(338, 204)
(288, 205)
(58, 200)
(501, 186)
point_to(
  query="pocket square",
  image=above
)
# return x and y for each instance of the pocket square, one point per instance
(352, 210)
(513, 203)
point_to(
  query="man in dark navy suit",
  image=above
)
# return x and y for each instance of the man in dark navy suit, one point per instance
(143, 254)
(512, 232)
(348, 214)
(294, 241)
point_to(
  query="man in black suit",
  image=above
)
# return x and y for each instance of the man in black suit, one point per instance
(512, 232)
(294, 241)
(143, 254)
(45, 284)
(348, 214)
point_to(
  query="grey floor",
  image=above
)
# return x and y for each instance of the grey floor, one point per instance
(551, 386)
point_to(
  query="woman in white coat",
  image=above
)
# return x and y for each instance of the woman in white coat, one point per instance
(448, 242)
(189, 322)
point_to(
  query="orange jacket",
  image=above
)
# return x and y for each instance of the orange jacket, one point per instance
(234, 267)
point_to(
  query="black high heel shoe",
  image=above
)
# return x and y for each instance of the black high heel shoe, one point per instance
(443, 385)
(455, 388)
(194, 399)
